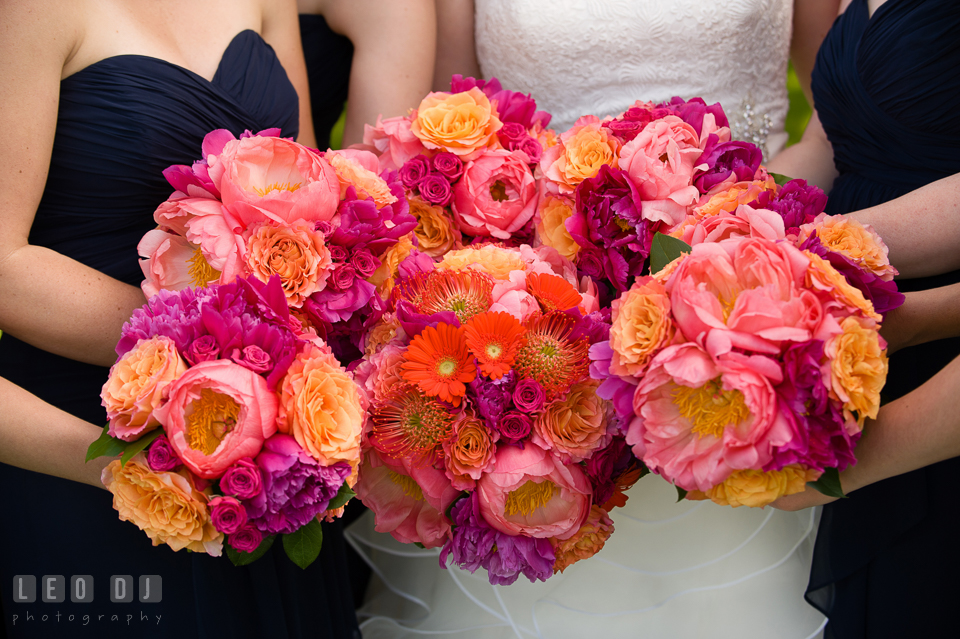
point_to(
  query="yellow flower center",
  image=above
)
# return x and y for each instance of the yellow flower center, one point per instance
(277, 186)
(498, 191)
(446, 367)
(710, 409)
(408, 485)
(201, 273)
(494, 350)
(209, 419)
(623, 224)
(529, 497)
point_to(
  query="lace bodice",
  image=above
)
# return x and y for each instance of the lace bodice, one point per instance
(599, 56)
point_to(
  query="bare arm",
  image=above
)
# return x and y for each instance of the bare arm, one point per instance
(917, 430)
(456, 45)
(281, 30)
(812, 20)
(394, 44)
(810, 159)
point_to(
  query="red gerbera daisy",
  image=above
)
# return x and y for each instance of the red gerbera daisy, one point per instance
(439, 362)
(494, 339)
(549, 356)
(552, 292)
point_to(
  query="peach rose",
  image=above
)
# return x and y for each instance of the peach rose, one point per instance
(359, 169)
(387, 372)
(393, 140)
(588, 541)
(575, 425)
(551, 229)
(266, 178)
(217, 413)
(320, 407)
(582, 150)
(823, 277)
(756, 488)
(382, 333)
(460, 123)
(640, 327)
(470, 452)
(858, 367)
(137, 384)
(166, 506)
(436, 233)
(729, 198)
(490, 259)
(383, 278)
(296, 252)
(856, 241)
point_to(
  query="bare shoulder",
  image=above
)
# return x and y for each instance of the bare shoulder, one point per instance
(40, 32)
(360, 19)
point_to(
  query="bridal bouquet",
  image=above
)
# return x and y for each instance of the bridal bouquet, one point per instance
(467, 160)
(262, 206)
(231, 421)
(750, 361)
(485, 434)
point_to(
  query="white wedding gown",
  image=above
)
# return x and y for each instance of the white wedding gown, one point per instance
(690, 570)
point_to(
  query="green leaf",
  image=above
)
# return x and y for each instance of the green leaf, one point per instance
(105, 446)
(419, 545)
(780, 178)
(344, 495)
(240, 558)
(681, 494)
(829, 484)
(303, 546)
(664, 250)
(135, 447)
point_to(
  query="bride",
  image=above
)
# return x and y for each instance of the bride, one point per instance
(677, 570)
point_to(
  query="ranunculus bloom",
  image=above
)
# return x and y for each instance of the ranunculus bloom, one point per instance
(497, 194)
(756, 488)
(136, 386)
(161, 456)
(582, 150)
(218, 412)
(266, 178)
(407, 501)
(532, 493)
(699, 419)
(166, 506)
(459, 123)
(436, 233)
(295, 252)
(320, 407)
(551, 228)
(359, 169)
(469, 452)
(575, 425)
(640, 326)
(242, 480)
(660, 162)
(858, 242)
(228, 514)
(858, 367)
(394, 140)
(588, 541)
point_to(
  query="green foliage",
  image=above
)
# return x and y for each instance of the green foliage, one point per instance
(829, 484)
(243, 558)
(664, 249)
(105, 446)
(303, 546)
(344, 495)
(799, 113)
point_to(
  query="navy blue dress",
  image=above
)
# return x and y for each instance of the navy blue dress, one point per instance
(329, 57)
(122, 121)
(886, 87)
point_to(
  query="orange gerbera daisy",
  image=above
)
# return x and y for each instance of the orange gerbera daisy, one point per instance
(494, 339)
(465, 293)
(549, 356)
(552, 292)
(408, 422)
(439, 363)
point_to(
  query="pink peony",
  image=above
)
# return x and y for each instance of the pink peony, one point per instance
(532, 493)
(172, 263)
(266, 178)
(218, 412)
(497, 194)
(394, 140)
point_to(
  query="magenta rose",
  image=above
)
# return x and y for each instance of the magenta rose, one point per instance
(531, 147)
(414, 170)
(497, 195)
(511, 132)
(514, 427)
(365, 263)
(343, 276)
(161, 457)
(448, 165)
(528, 396)
(247, 539)
(254, 358)
(242, 480)
(339, 253)
(227, 514)
(202, 349)
(435, 189)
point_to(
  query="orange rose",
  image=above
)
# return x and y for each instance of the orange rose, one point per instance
(730, 198)
(136, 386)
(576, 425)
(296, 252)
(858, 367)
(581, 152)
(551, 229)
(436, 232)
(364, 179)
(850, 238)
(640, 327)
(166, 506)
(587, 542)
(821, 276)
(460, 123)
(469, 452)
(756, 488)
(320, 407)
(490, 259)
(383, 277)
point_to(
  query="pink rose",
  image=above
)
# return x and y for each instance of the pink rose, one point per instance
(266, 178)
(532, 493)
(497, 194)
(227, 513)
(246, 539)
(242, 480)
(218, 412)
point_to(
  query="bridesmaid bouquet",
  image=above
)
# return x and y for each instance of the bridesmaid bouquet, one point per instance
(264, 206)
(486, 435)
(749, 361)
(467, 160)
(232, 421)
